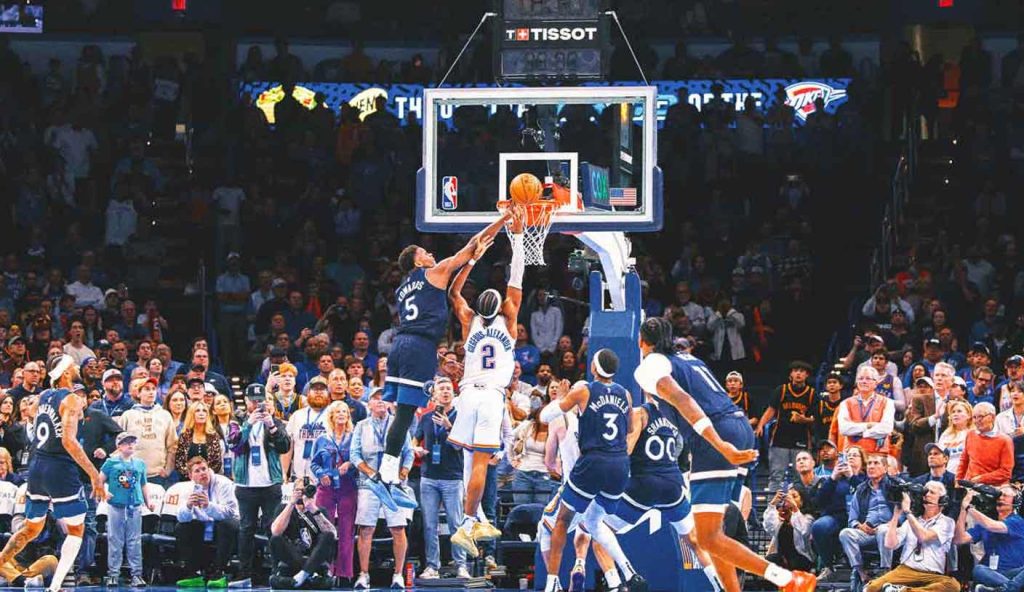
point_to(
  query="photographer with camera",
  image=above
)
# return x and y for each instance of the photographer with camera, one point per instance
(302, 540)
(1000, 531)
(926, 536)
(790, 530)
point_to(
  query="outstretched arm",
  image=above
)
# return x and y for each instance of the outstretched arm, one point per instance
(440, 274)
(514, 290)
(577, 397)
(463, 312)
(654, 375)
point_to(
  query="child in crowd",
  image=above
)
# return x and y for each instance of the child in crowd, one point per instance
(125, 477)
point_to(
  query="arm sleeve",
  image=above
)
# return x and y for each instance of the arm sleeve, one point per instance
(846, 426)
(853, 510)
(407, 455)
(518, 263)
(356, 447)
(652, 369)
(738, 318)
(884, 427)
(281, 441)
(965, 459)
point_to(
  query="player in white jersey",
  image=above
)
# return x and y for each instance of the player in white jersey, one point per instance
(490, 361)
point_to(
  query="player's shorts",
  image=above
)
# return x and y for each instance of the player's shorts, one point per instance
(714, 481)
(479, 413)
(369, 510)
(663, 492)
(54, 481)
(548, 518)
(597, 477)
(411, 363)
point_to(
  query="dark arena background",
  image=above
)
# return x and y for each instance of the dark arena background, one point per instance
(204, 314)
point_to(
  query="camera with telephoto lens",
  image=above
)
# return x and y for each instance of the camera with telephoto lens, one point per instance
(898, 486)
(985, 498)
(308, 488)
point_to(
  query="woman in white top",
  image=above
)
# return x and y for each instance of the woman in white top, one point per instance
(954, 437)
(531, 483)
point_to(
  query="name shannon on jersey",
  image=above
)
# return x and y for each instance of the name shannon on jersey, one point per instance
(661, 422)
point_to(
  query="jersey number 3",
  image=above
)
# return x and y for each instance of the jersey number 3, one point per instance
(609, 422)
(487, 356)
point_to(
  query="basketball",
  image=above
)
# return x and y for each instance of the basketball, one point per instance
(525, 188)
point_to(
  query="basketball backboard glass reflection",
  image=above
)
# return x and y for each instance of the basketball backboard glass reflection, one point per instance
(597, 143)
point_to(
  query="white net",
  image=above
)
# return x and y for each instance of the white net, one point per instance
(536, 219)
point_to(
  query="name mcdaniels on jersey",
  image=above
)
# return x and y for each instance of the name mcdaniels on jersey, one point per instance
(603, 400)
(494, 332)
(48, 410)
(408, 288)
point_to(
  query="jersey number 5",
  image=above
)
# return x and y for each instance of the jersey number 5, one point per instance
(487, 356)
(411, 310)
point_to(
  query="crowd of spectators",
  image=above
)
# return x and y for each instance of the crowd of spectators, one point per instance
(302, 220)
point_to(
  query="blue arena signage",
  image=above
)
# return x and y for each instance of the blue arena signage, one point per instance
(401, 100)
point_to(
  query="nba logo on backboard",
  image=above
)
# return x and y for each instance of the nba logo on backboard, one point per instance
(450, 193)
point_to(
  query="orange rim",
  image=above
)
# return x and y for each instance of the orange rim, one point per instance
(537, 213)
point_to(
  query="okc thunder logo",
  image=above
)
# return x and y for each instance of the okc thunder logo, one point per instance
(801, 96)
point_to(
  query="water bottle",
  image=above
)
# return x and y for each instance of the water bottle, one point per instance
(409, 575)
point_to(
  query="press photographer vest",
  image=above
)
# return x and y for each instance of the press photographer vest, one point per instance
(860, 412)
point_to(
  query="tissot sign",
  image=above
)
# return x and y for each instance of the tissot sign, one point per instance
(551, 34)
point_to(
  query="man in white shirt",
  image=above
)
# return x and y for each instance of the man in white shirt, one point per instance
(1011, 421)
(926, 541)
(75, 347)
(228, 199)
(85, 292)
(546, 323)
(210, 513)
(305, 426)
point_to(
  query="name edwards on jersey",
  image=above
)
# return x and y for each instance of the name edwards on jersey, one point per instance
(603, 400)
(492, 331)
(409, 288)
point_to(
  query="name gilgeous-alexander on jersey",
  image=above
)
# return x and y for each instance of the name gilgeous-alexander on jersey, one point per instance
(490, 354)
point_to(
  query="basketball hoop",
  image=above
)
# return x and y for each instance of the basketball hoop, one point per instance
(536, 217)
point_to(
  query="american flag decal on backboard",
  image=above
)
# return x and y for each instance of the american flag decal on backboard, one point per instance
(622, 196)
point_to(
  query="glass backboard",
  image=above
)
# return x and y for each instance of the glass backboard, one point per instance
(598, 144)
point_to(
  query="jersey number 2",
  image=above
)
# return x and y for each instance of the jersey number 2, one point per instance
(411, 310)
(487, 356)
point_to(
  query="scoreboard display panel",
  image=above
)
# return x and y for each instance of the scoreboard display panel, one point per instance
(551, 40)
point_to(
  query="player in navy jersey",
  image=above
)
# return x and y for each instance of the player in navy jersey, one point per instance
(422, 300)
(718, 456)
(596, 483)
(655, 481)
(52, 474)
